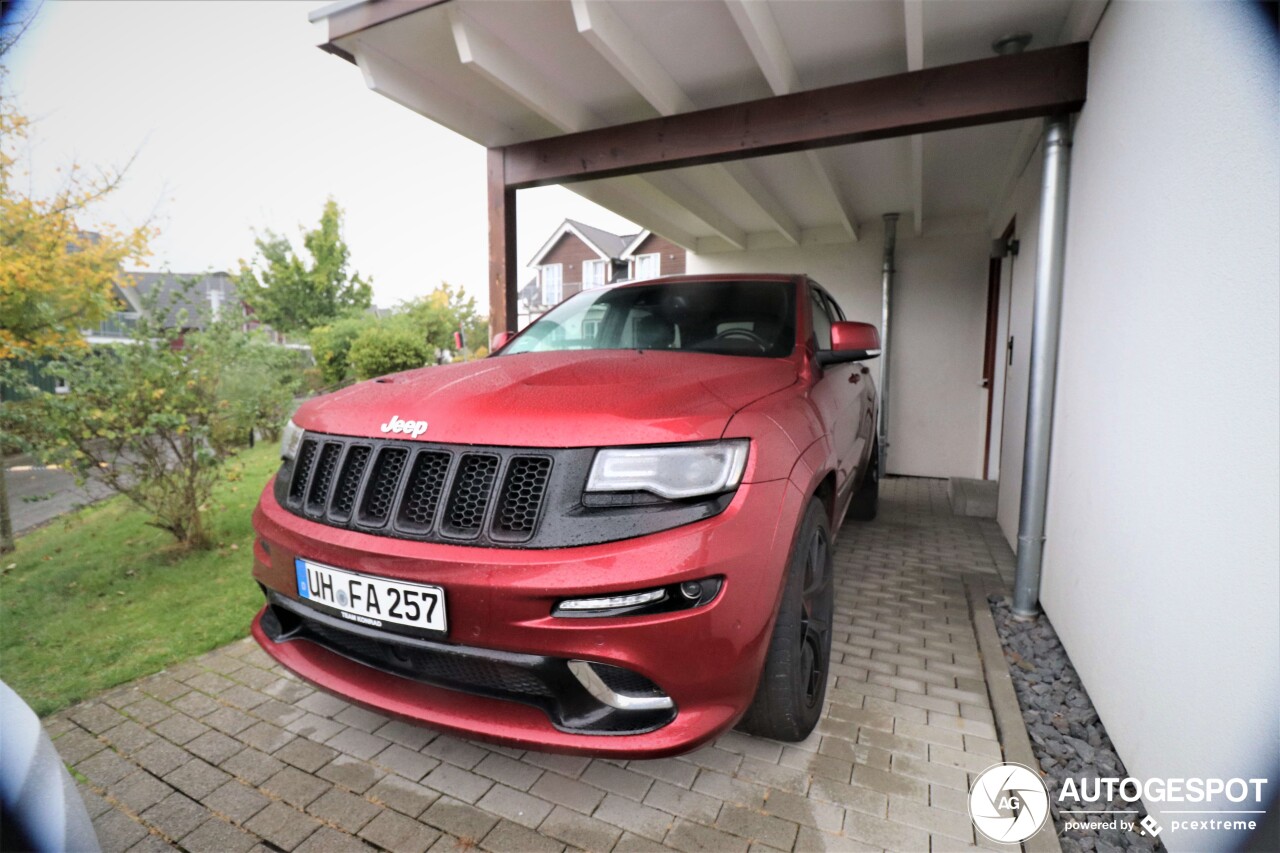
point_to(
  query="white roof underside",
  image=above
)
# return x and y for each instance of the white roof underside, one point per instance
(504, 71)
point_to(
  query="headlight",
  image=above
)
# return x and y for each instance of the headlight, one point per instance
(671, 471)
(290, 439)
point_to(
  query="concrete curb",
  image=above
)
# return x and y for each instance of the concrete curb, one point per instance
(1004, 701)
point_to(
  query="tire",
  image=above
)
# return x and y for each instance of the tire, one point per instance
(793, 683)
(866, 501)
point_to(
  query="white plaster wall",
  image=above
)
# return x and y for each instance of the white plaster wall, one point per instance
(937, 405)
(1162, 565)
(937, 414)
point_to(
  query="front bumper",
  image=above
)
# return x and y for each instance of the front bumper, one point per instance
(707, 660)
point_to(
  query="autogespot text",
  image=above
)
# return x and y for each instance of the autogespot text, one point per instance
(1157, 790)
(1077, 794)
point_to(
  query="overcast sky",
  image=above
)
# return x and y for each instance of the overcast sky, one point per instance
(240, 122)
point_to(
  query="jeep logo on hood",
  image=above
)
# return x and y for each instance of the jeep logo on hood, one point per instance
(410, 428)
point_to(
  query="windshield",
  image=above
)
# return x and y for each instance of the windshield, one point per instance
(751, 318)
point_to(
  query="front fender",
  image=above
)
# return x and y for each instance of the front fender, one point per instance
(814, 465)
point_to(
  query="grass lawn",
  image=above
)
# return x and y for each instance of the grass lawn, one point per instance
(98, 598)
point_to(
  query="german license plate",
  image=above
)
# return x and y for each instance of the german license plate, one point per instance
(367, 600)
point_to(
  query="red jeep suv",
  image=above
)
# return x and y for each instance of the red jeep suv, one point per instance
(612, 536)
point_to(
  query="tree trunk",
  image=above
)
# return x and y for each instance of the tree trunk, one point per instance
(6, 521)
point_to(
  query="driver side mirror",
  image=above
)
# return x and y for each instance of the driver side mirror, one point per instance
(500, 340)
(850, 342)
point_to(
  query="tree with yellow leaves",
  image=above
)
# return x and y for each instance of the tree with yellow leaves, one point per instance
(56, 278)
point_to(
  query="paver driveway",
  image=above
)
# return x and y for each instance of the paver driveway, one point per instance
(228, 753)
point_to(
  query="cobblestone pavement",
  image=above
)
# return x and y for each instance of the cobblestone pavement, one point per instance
(227, 753)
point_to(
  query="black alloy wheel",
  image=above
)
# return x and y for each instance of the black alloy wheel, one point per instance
(793, 683)
(815, 621)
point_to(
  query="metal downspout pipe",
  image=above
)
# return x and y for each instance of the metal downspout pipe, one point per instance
(1045, 327)
(886, 293)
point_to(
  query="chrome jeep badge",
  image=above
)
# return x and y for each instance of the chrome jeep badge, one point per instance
(412, 429)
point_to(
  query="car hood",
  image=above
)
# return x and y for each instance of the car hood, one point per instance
(557, 399)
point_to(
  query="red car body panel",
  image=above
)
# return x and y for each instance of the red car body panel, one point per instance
(558, 399)
(502, 599)
(811, 432)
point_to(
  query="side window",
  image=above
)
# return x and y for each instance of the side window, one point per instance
(821, 319)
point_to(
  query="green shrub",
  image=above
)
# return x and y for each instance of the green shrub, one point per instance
(386, 348)
(255, 381)
(155, 421)
(331, 346)
(443, 311)
(147, 420)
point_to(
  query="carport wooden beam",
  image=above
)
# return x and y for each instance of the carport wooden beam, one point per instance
(1038, 83)
(1003, 88)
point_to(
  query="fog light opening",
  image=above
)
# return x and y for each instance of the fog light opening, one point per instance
(703, 592)
(595, 685)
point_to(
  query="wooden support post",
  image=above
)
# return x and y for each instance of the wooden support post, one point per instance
(502, 247)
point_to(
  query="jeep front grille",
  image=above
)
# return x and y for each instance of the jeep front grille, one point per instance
(522, 493)
(469, 497)
(466, 494)
(423, 491)
(419, 492)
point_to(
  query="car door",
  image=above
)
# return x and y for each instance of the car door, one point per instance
(860, 409)
(834, 393)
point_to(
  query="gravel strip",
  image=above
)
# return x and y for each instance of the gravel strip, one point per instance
(1067, 736)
